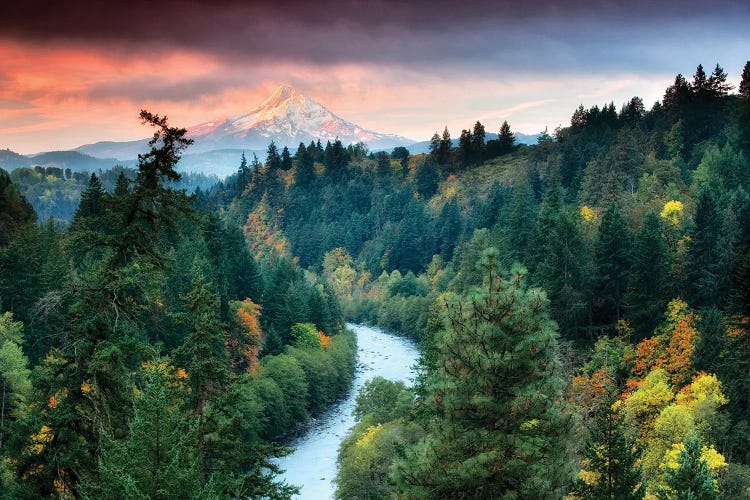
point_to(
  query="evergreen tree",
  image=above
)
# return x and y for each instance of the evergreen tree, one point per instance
(158, 458)
(691, 479)
(444, 151)
(401, 154)
(304, 175)
(646, 297)
(506, 139)
(612, 456)
(466, 148)
(612, 261)
(435, 148)
(717, 83)
(477, 143)
(273, 160)
(15, 211)
(244, 174)
(382, 164)
(15, 384)
(564, 275)
(286, 159)
(91, 205)
(700, 82)
(426, 179)
(204, 357)
(703, 265)
(744, 88)
(85, 387)
(498, 424)
(449, 225)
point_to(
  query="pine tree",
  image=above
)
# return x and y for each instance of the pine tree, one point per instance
(498, 426)
(450, 226)
(244, 174)
(691, 479)
(15, 385)
(273, 160)
(717, 82)
(646, 297)
(286, 159)
(204, 357)
(506, 139)
(158, 458)
(91, 205)
(477, 143)
(611, 458)
(612, 260)
(563, 273)
(700, 82)
(466, 148)
(435, 148)
(704, 263)
(744, 88)
(444, 151)
(86, 384)
(15, 211)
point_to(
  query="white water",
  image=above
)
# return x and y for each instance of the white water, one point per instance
(312, 466)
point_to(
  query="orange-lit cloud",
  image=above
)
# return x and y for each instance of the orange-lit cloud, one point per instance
(76, 72)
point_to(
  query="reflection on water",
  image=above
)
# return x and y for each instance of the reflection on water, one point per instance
(312, 466)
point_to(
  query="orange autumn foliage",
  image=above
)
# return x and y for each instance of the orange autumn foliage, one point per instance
(325, 340)
(672, 348)
(246, 339)
(586, 391)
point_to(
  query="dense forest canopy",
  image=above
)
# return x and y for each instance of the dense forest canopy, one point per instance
(582, 306)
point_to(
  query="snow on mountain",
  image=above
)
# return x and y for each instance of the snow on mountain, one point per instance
(287, 117)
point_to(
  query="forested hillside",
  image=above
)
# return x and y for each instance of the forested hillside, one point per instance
(145, 352)
(581, 304)
(633, 223)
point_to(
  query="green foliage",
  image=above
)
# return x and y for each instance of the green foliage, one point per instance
(305, 335)
(611, 457)
(498, 427)
(15, 211)
(691, 479)
(382, 400)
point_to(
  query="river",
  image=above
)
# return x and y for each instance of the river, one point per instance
(312, 466)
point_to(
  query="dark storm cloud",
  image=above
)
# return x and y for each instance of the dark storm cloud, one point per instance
(535, 35)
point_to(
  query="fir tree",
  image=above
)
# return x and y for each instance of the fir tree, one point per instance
(506, 139)
(91, 205)
(444, 151)
(273, 160)
(286, 159)
(744, 88)
(703, 252)
(646, 297)
(612, 260)
(611, 458)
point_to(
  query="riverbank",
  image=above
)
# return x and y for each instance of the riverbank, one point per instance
(312, 466)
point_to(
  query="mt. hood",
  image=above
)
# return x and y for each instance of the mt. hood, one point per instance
(287, 117)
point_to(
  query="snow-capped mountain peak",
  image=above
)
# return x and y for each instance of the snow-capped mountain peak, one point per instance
(288, 117)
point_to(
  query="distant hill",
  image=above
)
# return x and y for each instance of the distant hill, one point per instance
(10, 160)
(75, 161)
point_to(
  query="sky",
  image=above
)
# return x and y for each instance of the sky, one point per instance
(77, 72)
